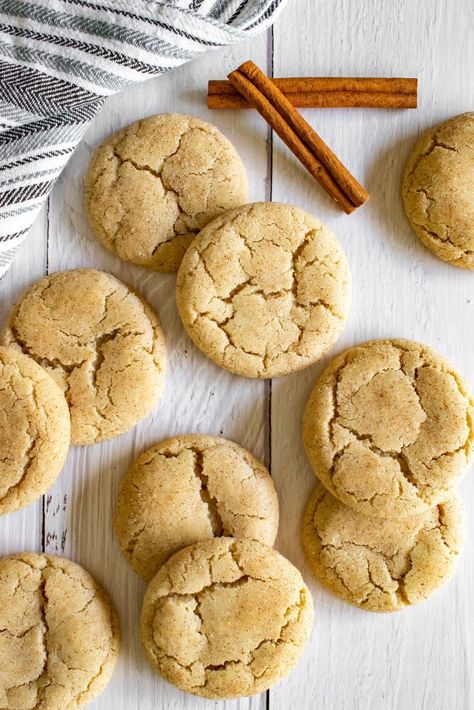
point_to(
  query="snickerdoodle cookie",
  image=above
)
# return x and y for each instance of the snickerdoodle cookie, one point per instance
(153, 185)
(264, 290)
(388, 428)
(381, 564)
(190, 488)
(59, 634)
(438, 189)
(243, 612)
(101, 343)
(34, 430)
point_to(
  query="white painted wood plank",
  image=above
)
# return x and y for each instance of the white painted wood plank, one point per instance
(198, 395)
(421, 657)
(23, 530)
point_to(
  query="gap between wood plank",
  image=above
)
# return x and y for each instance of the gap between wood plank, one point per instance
(44, 511)
(269, 195)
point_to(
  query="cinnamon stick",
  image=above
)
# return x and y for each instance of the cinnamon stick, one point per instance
(325, 92)
(299, 136)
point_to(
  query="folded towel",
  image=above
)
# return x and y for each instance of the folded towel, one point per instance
(60, 59)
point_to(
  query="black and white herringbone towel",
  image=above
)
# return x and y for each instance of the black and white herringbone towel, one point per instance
(60, 59)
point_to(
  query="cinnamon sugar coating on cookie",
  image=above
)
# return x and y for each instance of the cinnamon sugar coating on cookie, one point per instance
(101, 343)
(35, 430)
(389, 428)
(264, 290)
(189, 488)
(381, 564)
(437, 189)
(153, 185)
(244, 613)
(59, 634)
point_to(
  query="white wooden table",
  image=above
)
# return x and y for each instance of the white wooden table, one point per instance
(420, 658)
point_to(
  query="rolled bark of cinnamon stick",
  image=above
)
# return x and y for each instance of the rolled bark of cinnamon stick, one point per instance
(299, 136)
(326, 92)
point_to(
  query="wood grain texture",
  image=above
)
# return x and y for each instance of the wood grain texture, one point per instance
(420, 658)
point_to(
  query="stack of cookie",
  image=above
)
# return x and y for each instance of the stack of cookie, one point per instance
(224, 615)
(262, 289)
(389, 432)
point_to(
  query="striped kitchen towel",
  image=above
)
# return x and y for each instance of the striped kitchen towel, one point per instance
(60, 59)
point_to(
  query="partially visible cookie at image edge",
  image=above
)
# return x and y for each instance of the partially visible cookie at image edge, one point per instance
(60, 633)
(438, 189)
(35, 430)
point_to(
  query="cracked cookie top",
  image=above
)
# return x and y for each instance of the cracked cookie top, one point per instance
(381, 564)
(190, 488)
(388, 428)
(59, 634)
(99, 341)
(153, 185)
(34, 430)
(264, 290)
(438, 187)
(244, 615)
